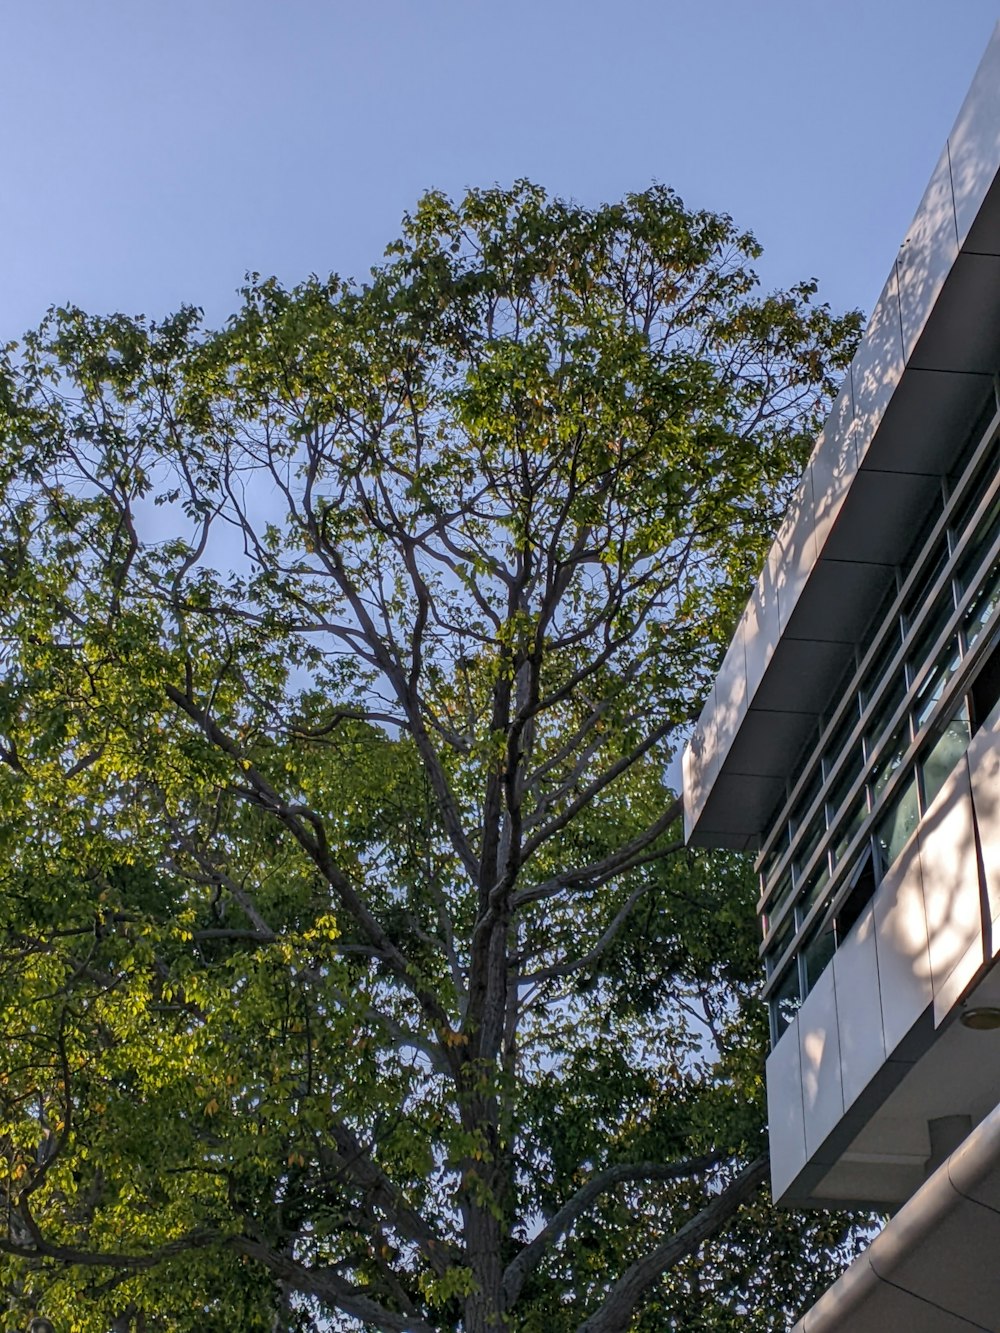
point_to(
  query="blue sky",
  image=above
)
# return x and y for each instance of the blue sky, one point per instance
(157, 149)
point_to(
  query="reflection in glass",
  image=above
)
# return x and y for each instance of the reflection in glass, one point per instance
(899, 821)
(945, 751)
(785, 1001)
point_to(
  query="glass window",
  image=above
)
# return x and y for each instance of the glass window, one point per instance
(916, 598)
(929, 694)
(812, 891)
(923, 645)
(983, 604)
(849, 826)
(894, 828)
(945, 750)
(811, 839)
(786, 1000)
(891, 759)
(876, 671)
(817, 954)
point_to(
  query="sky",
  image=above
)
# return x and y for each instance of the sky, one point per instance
(156, 150)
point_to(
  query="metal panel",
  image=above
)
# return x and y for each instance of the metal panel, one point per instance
(761, 629)
(965, 1279)
(974, 143)
(819, 1052)
(904, 967)
(785, 1122)
(767, 739)
(877, 365)
(927, 254)
(963, 334)
(950, 876)
(803, 675)
(928, 406)
(793, 555)
(730, 700)
(984, 773)
(859, 1008)
(834, 463)
(843, 598)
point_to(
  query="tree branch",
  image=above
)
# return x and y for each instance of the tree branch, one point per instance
(534, 1252)
(614, 1314)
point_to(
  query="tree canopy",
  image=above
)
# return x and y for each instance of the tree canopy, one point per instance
(353, 973)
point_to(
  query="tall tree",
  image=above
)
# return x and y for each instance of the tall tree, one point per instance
(354, 973)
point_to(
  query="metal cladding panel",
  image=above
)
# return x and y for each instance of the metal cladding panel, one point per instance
(801, 667)
(819, 1052)
(794, 552)
(761, 630)
(965, 1166)
(734, 796)
(767, 739)
(878, 365)
(885, 510)
(834, 463)
(964, 335)
(730, 701)
(965, 1280)
(974, 143)
(785, 1120)
(984, 775)
(859, 1008)
(928, 406)
(876, 1306)
(950, 875)
(927, 254)
(904, 965)
(847, 594)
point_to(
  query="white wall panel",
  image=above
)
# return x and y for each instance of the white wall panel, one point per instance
(834, 463)
(984, 774)
(785, 1122)
(975, 140)
(819, 1052)
(794, 552)
(950, 875)
(877, 366)
(761, 629)
(927, 254)
(859, 1009)
(901, 944)
(730, 694)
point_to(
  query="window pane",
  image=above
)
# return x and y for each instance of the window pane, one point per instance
(817, 954)
(786, 1000)
(895, 827)
(850, 825)
(890, 761)
(916, 599)
(983, 604)
(945, 752)
(931, 690)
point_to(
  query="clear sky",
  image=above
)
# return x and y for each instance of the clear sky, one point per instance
(154, 150)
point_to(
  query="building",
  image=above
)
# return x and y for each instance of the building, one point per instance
(853, 740)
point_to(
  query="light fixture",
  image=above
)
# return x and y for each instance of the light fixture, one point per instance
(983, 1018)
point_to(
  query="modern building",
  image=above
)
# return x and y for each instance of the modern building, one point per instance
(852, 739)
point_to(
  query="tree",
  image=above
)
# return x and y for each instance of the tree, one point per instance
(354, 973)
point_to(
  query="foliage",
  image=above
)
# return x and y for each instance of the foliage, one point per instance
(353, 973)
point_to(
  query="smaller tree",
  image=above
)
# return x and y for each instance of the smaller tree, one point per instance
(354, 972)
